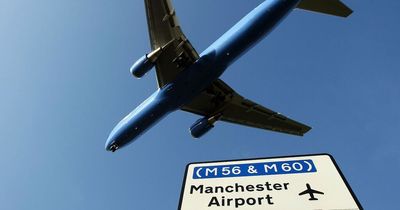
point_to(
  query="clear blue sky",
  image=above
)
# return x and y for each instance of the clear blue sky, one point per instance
(65, 83)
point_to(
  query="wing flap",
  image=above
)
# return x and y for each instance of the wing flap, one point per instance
(305, 192)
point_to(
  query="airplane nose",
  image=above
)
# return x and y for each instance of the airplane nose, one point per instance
(123, 133)
(113, 147)
(111, 144)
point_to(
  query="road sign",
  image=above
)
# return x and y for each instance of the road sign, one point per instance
(282, 183)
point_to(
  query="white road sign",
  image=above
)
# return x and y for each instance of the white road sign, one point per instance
(286, 183)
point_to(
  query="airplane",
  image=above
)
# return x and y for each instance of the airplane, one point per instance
(190, 81)
(311, 192)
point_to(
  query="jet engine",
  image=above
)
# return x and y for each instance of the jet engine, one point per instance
(200, 127)
(145, 63)
(141, 67)
(203, 125)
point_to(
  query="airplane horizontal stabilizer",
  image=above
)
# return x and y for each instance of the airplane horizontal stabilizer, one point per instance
(331, 7)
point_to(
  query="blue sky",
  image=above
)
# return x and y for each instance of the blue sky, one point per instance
(65, 83)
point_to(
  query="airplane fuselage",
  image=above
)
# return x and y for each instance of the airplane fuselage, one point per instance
(208, 68)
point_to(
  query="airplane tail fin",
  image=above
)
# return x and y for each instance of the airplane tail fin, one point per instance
(331, 7)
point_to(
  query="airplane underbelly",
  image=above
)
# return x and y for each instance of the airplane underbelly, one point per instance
(196, 78)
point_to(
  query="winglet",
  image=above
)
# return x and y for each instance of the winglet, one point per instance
(331, 7)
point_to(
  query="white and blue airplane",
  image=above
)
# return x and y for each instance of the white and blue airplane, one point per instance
(190, 81)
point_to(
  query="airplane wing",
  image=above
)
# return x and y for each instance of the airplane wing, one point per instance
(305, 192)
(316, 192)
(311, 191)
(219, 98)
(165, 32)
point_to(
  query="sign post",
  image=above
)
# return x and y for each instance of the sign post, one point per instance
(297, 182)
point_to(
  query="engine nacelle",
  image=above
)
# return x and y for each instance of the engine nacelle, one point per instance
(201, 127)
(145, 63)
(141, 67)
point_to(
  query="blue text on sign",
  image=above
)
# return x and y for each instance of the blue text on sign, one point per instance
(255, 169)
